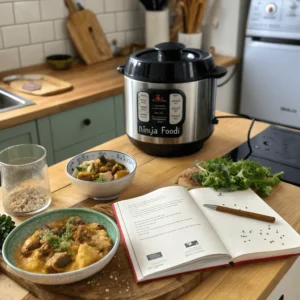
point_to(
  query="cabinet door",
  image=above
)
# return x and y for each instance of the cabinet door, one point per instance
(119, 114)
(20, 134)
(82, 123)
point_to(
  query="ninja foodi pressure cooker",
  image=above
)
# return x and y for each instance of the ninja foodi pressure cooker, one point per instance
(170, 94)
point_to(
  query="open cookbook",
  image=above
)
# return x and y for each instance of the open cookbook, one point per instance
(169, 231)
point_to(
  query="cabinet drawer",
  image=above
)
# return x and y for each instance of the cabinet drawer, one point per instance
(21, 134)
(83, 146)
(82, 123)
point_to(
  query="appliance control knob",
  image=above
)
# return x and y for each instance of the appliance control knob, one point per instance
(271, 8)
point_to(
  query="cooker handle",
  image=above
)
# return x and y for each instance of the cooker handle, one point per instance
(218, 72)
(121, 69)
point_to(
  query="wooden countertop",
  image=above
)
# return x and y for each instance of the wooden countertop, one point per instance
(247, 282)
(91, 83)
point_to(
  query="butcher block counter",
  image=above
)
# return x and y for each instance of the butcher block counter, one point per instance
(248, 282)
(90, 84)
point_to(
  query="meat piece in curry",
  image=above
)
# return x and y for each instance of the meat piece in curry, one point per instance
(100, 170)
(64, 245)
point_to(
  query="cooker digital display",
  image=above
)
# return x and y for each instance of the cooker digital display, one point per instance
(161, 113)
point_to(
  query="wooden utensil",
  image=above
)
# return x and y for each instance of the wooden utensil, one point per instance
(87, 35)
(200, 15)
(49, 85)
(241, 213)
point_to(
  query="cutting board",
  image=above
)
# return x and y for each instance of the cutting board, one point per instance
(49, 86)
(115, 281)
(87, 35)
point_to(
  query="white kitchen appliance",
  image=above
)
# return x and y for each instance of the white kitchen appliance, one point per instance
(271, 65)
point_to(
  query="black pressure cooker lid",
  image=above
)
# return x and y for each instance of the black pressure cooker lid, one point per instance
(171, 63)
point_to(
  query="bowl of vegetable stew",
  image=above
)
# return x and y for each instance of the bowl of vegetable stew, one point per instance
(102, 175)
(25, 234)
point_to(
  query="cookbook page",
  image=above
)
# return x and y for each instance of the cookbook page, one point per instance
(164, 229)
(247, 239)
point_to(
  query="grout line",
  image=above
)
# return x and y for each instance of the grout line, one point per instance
(14, 15)
(19, 56)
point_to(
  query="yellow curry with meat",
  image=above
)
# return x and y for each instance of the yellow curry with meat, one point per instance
(65, 245)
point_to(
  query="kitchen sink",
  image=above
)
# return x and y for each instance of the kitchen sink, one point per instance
(9, 101)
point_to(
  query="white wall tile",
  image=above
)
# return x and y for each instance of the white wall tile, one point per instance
(127, 20)
(108, 22)
(52, 9)
(1, 40)
(134, 36)
(97, 6)
(113, 5)
(16, 35)
(118, 36)
(41, 32)
(32, 55)
(26, 12)
(70, 48)
(9, 59)
(6, 14)
(60, 28)
(36, 26)
(131, 4)
(57, 47)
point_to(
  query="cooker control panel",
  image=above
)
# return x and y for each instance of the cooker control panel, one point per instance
(160, 113)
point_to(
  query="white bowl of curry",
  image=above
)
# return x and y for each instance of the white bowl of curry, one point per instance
(61, 246)
(102, 174)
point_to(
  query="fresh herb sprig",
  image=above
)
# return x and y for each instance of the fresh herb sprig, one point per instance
(6, 226)
(59, 243)
(222, 172)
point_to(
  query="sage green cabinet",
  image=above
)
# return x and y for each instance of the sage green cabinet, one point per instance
(21, 134)
(76, 130)
(70, 132)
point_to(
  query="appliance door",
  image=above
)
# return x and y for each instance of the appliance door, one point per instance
(271, 82)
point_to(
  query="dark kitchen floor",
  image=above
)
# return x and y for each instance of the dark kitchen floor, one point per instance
(277, 148)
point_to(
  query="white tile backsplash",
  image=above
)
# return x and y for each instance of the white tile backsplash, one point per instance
(16, 35)
(41, 32)
(52, 9)
(6, 14)
(113, 5)
(60, 28)
(118, 36)
(134, 36)
(32, 29)
(27, 11)
(32, 55)
(131, 4)
(57, 47)
(107, 22)
(1, 40)
(70, 48)
(9, 59)
(97, 6)
(127, 20)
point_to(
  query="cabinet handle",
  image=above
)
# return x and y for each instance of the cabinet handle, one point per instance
(87, 122)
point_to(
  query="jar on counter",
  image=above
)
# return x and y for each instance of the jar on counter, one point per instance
(24, 179)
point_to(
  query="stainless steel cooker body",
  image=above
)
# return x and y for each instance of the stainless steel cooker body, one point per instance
(183, 120)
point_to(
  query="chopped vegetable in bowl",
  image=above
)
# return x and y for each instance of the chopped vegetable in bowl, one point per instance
(100, 170)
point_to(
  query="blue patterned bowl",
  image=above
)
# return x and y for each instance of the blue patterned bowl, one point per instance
(27, 228)
(108, 190)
